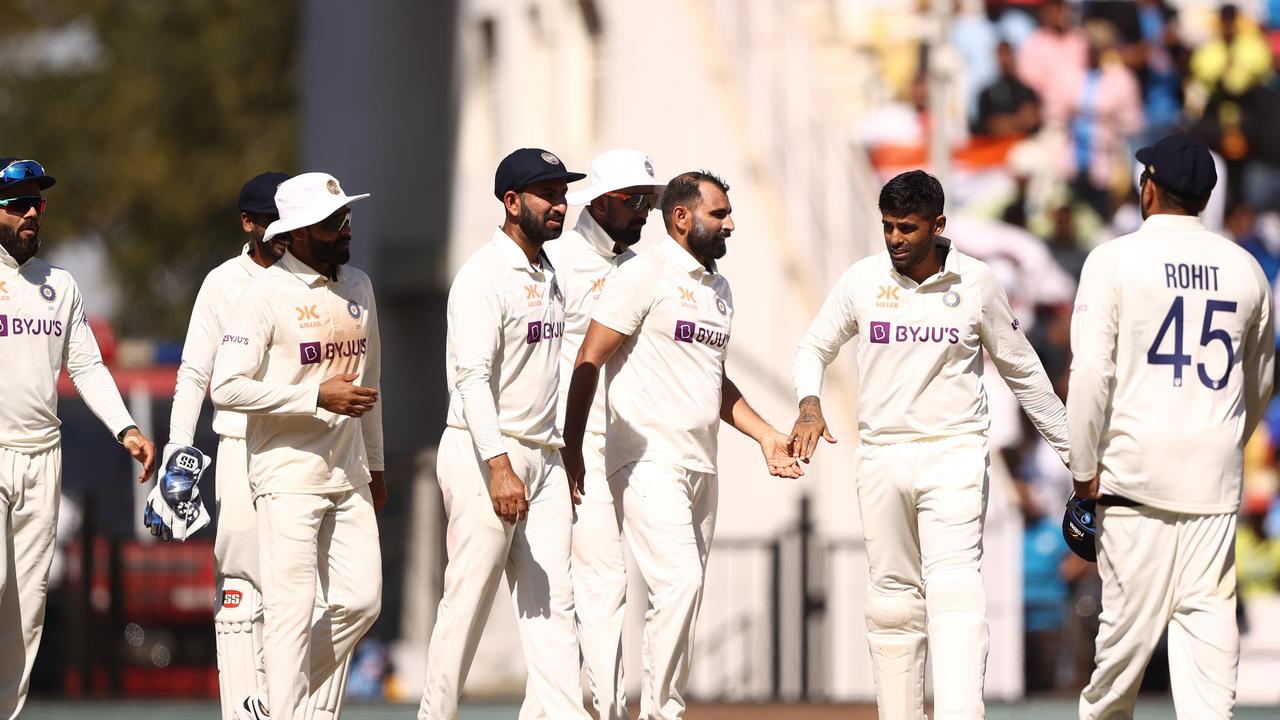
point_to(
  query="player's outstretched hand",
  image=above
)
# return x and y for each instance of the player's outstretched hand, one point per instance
(810, 425)
(779, 456)
(377, 489)
(142, 450)
(340, 395)
(506, 490)
(575, 469)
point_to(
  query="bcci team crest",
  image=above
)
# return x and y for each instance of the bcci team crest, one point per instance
(951, 298)
(353, 309)
(332, 187)
(721, 306)
(48, 293)
(648, 167)
(550, 159)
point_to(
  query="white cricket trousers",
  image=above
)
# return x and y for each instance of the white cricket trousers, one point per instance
(29, 486)
(535, 556)
(922, 506)
(600, 584)
(304, 538)
(1165, 569)
(668, 519)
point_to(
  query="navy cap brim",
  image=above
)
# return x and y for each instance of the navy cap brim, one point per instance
(564, 175)
(1144, 155)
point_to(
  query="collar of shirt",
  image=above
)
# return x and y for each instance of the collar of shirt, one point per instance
(948, 265)
(595, 236)
(248, 263)
(516, 257)
(685, 259)
(1159, 223)
(303, 271)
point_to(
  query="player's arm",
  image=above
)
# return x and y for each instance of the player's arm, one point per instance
(599, 344)
(1018, 364)
(476, 317)
(834, 325)
(198, 352)
(775, 445)
(371, 421)
(1094, 327)
(1259, 358)
(83, 361)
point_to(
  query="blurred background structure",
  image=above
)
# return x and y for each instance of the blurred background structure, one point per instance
(153, 114)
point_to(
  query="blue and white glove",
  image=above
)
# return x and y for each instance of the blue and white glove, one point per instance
(174, 510)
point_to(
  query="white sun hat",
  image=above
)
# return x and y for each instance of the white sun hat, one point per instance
(306, 200)
(615, 170)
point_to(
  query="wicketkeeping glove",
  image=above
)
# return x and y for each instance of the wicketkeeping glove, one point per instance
(174, 510)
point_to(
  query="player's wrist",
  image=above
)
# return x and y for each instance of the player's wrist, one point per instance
(120, 436)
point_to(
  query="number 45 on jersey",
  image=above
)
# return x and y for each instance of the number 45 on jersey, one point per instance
(1173, 324)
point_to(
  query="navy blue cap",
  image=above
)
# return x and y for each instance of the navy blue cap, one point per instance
(527, 166)
(1181, 163)
(258, 196)
(14, 169)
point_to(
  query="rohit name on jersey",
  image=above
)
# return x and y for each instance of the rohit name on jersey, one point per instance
(29, 326)
(1182, 276)
(883, 333)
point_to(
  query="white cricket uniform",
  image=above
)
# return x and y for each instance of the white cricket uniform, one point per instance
(506, 320)
(664, 399)
(42, 330)
(308, 468)
(923, 462)
(583, 258)
(1173, 348)
(241, 667)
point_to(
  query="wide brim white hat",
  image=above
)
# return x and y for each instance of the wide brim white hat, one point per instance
(307, 199)
(615, 170)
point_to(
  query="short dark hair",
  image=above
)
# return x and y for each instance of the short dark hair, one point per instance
(685, 189)
(915, 191)
(1190, 204)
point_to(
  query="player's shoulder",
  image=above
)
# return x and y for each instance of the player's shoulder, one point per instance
(356, 276)
(564, 249)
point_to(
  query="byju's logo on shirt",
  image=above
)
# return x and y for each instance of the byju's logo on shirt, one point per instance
(539, 331)
(883, 333)
(311, 353)
(689, 332)
(23, 326)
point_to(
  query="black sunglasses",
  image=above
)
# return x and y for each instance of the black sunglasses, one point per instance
(337, 221)
(22, 205)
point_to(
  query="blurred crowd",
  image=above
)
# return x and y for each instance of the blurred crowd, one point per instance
(1054, 98)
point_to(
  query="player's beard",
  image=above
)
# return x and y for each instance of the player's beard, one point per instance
(535, 228)
(21, 248)
(707, 245)
(337, 252)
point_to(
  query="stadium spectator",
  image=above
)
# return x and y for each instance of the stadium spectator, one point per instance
(1051, 59)
(1007, 106)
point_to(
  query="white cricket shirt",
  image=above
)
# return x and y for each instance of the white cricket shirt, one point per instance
(218, 294)
(42, 329)
(583, 257)
(665, 380)
(502, 353)
(1173, 346)
(291, 330)
(919, 350)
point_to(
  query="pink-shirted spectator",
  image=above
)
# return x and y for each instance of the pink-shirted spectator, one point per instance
(1052, 59)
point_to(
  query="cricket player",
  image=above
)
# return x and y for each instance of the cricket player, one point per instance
(1173, 349)
(238, 614)
(662, 327)
(300, 356)
(505, 491)
(923, 312)
(42, 330)
(622, 192)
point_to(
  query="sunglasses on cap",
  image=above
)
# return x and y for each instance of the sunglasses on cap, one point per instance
(22, 205)
(636, 201)
(21, 170)
(336, 222)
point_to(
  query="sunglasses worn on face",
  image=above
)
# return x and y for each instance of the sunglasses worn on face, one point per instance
(21, 170)
(22, 205)
(636, 201)
(336, 222)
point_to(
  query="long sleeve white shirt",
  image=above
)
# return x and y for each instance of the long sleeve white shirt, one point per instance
(43, 329)
(218, 294)
(291, 330)
(502, 352)
(583, 257)
(1172, 346)
(666, 379)
(919, 351)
